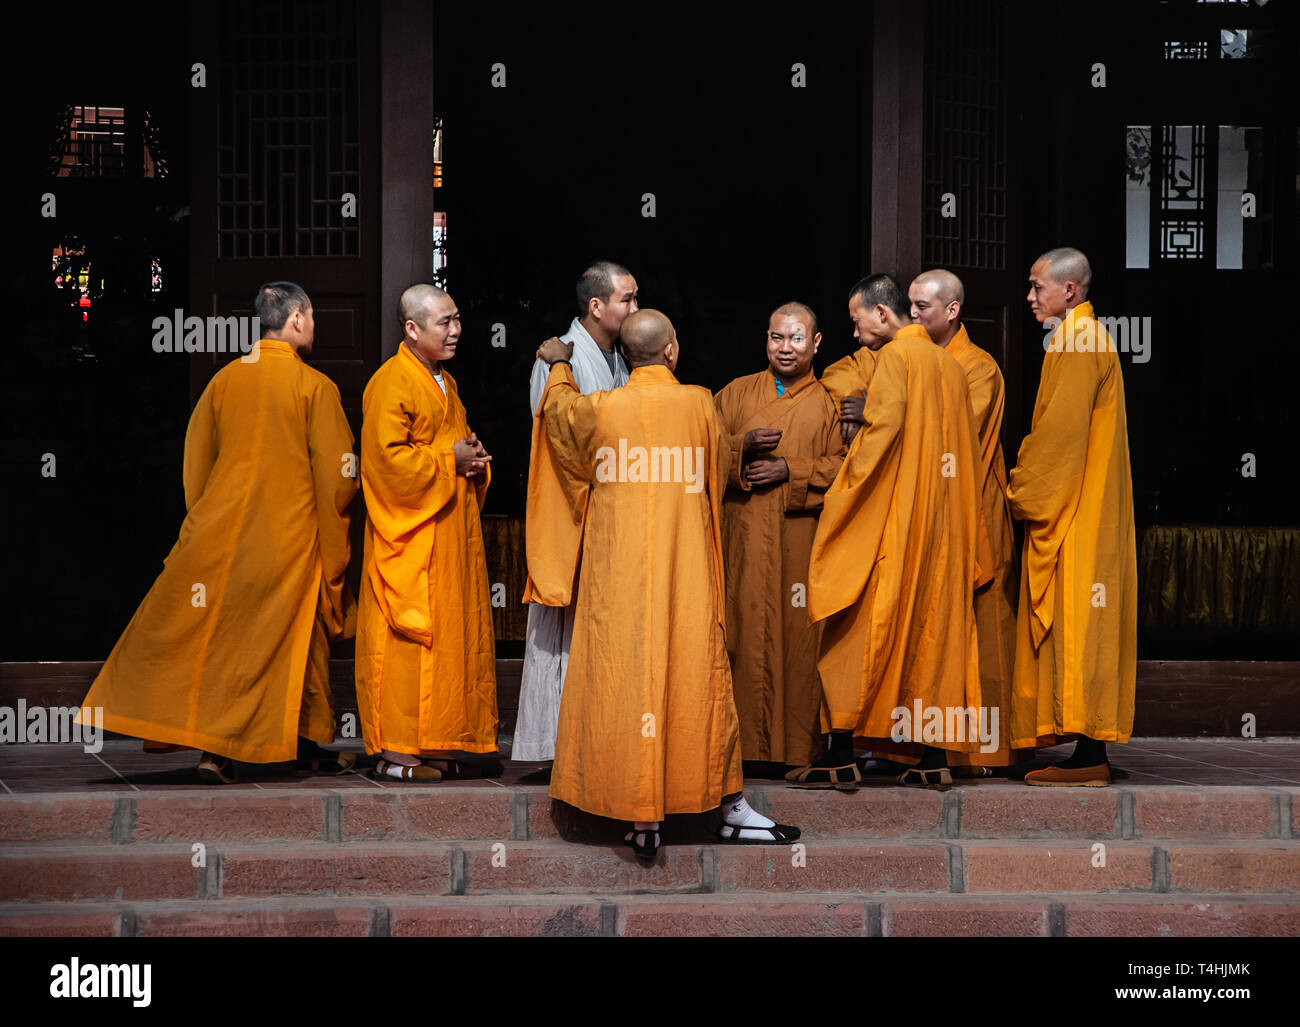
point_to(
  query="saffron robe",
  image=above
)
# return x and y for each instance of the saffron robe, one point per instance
(647, 719)
(894, 559)
(995, 602)
(850, 374)
(550, 628)
(426, 660)
(229, 651)
(1076, 633)
(767, 535)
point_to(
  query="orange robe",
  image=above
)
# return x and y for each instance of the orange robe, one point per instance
(995, 602)
(647, 720)
(1076, 634)
(850, 374)
(426, 660)
(894, 560)
(229, 651)
(767, 536)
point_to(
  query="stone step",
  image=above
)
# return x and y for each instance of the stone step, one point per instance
(714, 915)
(97, 873)
(489, 811)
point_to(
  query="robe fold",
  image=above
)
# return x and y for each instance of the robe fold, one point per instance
(767, 535)
(894, 559)
(425, 660)
(1076, 632)
(850, 374)
(229, 651)
(995, 602)
(627, 486)
(550, 628)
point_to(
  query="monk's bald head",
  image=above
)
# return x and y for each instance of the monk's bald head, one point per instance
(1066, 264)
(947, 286)
(937, 298)
(418, 302)
(1058, 281)
(645, 336)
(800, 312)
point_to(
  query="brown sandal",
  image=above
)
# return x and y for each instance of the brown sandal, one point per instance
(420, 772)
(940, 780)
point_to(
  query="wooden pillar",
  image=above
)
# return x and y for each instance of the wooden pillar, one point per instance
(406, 157)
(897, 111)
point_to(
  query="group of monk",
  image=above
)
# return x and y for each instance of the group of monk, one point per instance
(765, 575)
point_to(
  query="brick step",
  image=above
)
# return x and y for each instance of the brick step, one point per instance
(716, 915)
(94, 873)
(486, 810)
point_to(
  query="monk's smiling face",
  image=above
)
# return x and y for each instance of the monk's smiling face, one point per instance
(436, 339)
(1048, 297)
(790, 346)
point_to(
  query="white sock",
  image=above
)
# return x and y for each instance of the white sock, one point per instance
(741, 814)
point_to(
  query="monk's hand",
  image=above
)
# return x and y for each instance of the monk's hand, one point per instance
(848, 429)
(767, 470)
(468, 462)
(553, 349)
(851, 407)
(760, 440)
(479, 451)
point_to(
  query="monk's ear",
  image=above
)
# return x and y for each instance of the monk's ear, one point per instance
(817, 341)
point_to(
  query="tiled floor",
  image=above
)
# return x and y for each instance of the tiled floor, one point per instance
(120, 765)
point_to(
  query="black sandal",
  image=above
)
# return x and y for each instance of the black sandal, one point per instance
(644, 851)
(779, 833)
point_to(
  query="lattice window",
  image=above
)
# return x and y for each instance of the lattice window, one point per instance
(94, 142)
(288, 134)
(965, 200)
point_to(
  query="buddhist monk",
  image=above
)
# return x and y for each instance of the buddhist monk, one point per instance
(894, 559)
(785, 448)
(847, 379)
(647, 719)
(229, 651)
(426, 660)
(607, 294)
(937, 299)
(1076, 633)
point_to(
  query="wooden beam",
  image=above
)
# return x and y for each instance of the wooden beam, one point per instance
(406, 157)
(897, 109)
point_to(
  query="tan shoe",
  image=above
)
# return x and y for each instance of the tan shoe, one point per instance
(938, 779)
(1067, 777)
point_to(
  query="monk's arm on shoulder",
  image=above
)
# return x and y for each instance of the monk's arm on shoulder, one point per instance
(1049, 468)
(200, 448)
(334, 477)
(568, 416)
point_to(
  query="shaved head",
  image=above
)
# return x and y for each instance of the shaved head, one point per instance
(417, 302)
(1066, 264)
(937, 297)
(645, 334)
(800, 311)
(947, 286)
